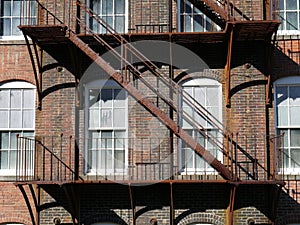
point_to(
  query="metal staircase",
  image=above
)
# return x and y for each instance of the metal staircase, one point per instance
(220, 11)
(170, 93)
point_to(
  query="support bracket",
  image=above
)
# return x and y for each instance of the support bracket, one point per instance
(228, 68)
(230, 208)
(132, 204)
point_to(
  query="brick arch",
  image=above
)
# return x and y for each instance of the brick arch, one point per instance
(15, 219)
(201, 217)
(207, 73)
(4, 81)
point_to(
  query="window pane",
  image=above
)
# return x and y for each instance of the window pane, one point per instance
(106, 118)
(28, 99)
(120, 6)
(295, 158)
(4, 140)
(12, 159)
(281, 4)
(200, 95)
(187, 23)
(292, 21)
(3, 159)
(120, 139)
(15, 96)
(28, 119)
(214, 111)
(6, 27)
(120, 24)
(281, 96)
(106, 138)
(106, 97)
(7, 7)
(295, 116)
(119, 117)
(212, 96)
(291, 4)
(95, 6)
(4, 99)
(15, 119)
(107, 7)
(15, 24)
(13, 140)
(94, 98)
(189, 158)
(3, 119)
(295, 95)
(94, 120)
(200, 163)
(198, 23)
(282, 116)
(295, 138)
(119, 158)
(119, 96)
(16, 8)
(187, 7)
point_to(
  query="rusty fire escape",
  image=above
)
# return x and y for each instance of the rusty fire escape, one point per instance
(67, 30)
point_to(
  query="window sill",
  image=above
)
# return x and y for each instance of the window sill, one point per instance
(12, 40)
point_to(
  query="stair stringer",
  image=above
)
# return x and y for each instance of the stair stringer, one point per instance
(172, 125)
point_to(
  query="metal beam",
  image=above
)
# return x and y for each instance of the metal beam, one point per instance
(36, 71)
(172, 211)
(228, 68)
(133, 209)
(230, 208)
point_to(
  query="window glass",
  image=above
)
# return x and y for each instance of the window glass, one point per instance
(288, 120)
(207, 92)
(10, 16)
(289, 11)
(17, 116)
(193, 20)
(113, 12)
(107, 121)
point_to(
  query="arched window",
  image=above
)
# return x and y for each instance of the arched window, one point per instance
(208, 93)
(17, 116)
(106, 127)
(287, 111)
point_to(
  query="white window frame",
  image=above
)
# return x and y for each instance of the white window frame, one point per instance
(284, 82)
(10, 86)
(205, 19)
(99, 84)
(282, 28)
(113, 15)
(204, 82)
(20, 36)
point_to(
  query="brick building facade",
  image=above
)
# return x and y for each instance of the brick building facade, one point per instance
(149, 112)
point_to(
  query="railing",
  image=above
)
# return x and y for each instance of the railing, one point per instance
(38, 162)
(167, 90)
(233, 12)
(65, 12)
(132, 159)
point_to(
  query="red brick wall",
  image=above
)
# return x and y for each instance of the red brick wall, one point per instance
(14, 65)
